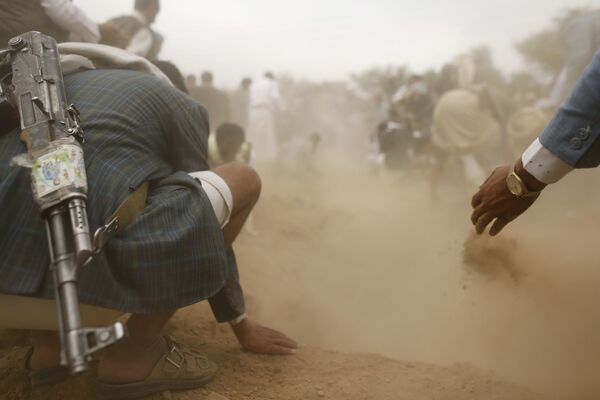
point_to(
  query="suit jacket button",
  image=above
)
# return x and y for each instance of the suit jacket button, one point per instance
(576, 143)
(583, 134)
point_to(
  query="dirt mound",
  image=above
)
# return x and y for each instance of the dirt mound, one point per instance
(311, 374)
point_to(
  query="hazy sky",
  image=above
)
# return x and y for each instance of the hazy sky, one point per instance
(325, 39)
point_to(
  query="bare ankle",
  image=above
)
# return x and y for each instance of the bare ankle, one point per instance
(46, 350)
(129, 361)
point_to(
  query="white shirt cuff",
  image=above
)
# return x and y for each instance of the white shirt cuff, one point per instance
(238, 320)
(543, 164)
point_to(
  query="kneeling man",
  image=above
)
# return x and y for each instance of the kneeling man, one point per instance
(177, 252)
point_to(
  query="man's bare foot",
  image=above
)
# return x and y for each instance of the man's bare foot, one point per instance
(262, 340)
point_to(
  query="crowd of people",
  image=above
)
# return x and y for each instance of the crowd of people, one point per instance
(252, 108)
(459, 117)
(454, 117)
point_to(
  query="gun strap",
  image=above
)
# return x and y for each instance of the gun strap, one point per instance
(126, 212)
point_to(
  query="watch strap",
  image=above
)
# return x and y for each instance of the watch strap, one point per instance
(526, 191)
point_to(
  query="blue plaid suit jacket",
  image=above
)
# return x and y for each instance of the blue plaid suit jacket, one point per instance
(137, 129)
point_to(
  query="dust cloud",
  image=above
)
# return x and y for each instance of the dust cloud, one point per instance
(493, 257)
(349, 260)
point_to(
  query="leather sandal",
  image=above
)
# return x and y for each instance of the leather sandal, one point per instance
(178, 369)
(44, 376)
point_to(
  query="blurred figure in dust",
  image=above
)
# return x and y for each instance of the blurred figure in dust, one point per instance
(463, 129)
(376, 157)
(228, 144)
(167, 67)
(191, 83)
(468, 126)
(62, 20)
(156, 47)
(215, 100)
(240, 102)
(408, 128)
(137, 26)
(173, 73)
(265, 101)
(417, 103)
(581, 39)
(309, 151)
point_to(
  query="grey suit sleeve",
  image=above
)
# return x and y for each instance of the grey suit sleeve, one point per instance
(573, 134)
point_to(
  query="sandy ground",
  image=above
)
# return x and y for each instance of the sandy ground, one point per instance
(373, 270)
(311, 374)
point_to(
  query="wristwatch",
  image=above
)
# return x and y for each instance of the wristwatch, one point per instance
(517, 187)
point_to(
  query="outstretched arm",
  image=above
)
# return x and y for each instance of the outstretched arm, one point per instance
(228, 304)
(571, 140)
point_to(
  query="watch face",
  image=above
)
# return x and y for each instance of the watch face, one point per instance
(514, 185)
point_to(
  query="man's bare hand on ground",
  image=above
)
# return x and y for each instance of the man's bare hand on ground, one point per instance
(494, 201)
(262, 340)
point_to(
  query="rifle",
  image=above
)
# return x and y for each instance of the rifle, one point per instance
(51, 130)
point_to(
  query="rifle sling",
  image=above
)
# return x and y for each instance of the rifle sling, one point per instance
(127, 211)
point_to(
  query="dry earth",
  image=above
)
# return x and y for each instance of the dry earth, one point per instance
(311, 374)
